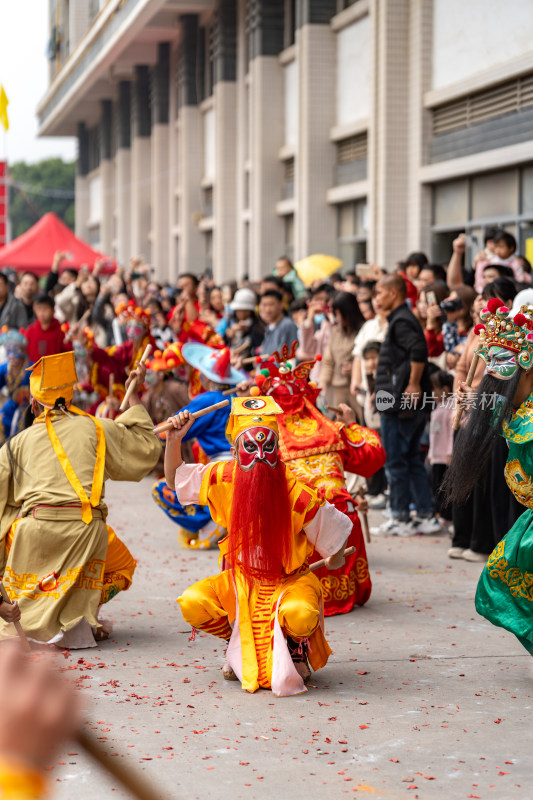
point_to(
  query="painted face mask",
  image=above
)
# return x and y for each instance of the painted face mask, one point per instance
(257, 444)
(134, 331)
(501, 363)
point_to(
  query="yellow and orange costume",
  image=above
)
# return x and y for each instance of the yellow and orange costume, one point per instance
(255, 615)
(58, 557)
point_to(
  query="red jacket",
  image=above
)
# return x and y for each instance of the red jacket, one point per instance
(45, 343)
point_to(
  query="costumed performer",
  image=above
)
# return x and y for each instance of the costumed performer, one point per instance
(14, 382)
(503, 405)
(118, 360)
(265, 601)
(197, 529)
(58, 557)
(318, 452)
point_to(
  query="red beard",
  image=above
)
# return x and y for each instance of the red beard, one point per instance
(260, 530)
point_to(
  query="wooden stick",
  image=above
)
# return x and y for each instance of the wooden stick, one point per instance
(111, 384)
(18, 626)
(133, 385)
(469, 378)
(335, 409)
(364, 518)
(121, 769)
(78, 325)
(166, 426)
(227, 392)
(317, 564)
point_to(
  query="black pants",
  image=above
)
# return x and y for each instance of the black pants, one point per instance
(377, 484)
(438, 471)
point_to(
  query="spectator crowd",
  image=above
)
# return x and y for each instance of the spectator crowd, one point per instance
(394, 345)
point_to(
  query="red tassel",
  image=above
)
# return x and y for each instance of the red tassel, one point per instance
(192, 637)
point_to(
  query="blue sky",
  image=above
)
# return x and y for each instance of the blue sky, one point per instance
(24, 74)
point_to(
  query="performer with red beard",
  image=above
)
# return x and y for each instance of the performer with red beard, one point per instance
(318, 452)
(265, 601)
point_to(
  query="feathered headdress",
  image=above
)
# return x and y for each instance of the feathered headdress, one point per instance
(498, 329)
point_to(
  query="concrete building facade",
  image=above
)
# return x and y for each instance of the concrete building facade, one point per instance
(222, 133)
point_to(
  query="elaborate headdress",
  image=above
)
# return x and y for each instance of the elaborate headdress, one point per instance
(130, 312)
(53, 377)
(249, 412)
(14, 341)
(214, 364)
(499, 329)
(277, 378)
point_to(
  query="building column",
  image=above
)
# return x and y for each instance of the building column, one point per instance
(190, 155)
(106, 178)
(160, 163)
(225, 189)
(141, 175)
(123, 174)
(78, 21)
(388, 140)
(82, 184)
(315, 223)
(266, 116)
(419, 130)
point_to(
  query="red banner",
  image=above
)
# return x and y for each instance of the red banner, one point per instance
(3, 203)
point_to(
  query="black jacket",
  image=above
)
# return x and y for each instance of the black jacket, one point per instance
(405, 342)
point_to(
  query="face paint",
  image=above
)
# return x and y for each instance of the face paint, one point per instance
(134, 331)
(257, 444)
(501, 363)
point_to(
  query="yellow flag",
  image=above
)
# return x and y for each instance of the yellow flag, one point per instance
(4, 102)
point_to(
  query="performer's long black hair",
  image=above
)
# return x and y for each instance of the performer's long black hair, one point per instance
(475, 441)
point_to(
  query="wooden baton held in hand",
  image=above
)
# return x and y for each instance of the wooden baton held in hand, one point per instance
(124, 772)
(167, 426)
(322, 562)
(469, 378)
(18, 626)
(133, 385)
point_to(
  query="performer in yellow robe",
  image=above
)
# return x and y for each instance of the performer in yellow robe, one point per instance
(265, 601)
(58, 557)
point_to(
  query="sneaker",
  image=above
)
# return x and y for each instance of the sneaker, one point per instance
(393, 527)
(426, 525)
(456, 552)
(377, 502)
(471, 555)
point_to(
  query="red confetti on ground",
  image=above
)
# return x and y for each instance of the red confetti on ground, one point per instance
(497, 721)
(363, 726)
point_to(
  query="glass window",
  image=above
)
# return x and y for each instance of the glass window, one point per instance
(495, 195)
(289, 235)
(527, 191)
(450, 203)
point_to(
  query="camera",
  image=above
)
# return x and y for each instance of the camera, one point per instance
(451, 305)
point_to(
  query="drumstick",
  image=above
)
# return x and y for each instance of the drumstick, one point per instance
(111, 384)
(250, 359)
(18, 626)
(317, 564)
(335, 409)
(166, 426)
(469, 378)
(229, 391)
(133, 385)
(124, 772)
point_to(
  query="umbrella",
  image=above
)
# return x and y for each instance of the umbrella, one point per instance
(317, 267)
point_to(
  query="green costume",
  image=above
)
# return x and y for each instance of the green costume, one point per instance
(505, 590)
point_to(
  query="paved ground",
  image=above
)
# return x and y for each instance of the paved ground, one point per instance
(422, 698)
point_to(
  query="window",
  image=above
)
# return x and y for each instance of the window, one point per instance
(503, 198)
(288, 239)
(288, 185)
(352, 233)
(289, 26)
(342, 4)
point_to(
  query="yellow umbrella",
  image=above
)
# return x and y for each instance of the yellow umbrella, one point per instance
(317, 267)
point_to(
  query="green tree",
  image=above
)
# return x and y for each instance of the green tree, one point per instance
(38, 188)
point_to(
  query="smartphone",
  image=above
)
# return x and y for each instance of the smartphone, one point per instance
(431, 298)
(68, 256)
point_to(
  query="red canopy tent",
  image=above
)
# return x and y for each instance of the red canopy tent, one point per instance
(34, 250)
